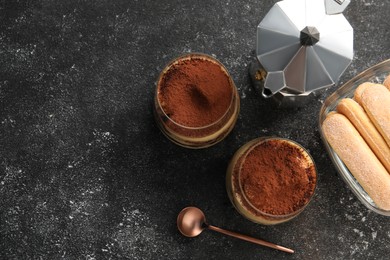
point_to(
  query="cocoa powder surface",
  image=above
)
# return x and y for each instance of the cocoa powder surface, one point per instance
(278, 178)
(195, 92)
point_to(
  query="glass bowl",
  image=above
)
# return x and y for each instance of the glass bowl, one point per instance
(375, 74)
(271, 180)
(203, 136)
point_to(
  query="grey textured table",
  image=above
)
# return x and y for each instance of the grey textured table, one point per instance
(86, 174)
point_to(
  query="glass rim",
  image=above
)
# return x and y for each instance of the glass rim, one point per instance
(249, 150)
(189, 56)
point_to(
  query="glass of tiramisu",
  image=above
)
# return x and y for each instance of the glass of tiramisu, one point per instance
(196, 102)
(271, 180)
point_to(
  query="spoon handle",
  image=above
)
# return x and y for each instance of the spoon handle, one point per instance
(250, 239)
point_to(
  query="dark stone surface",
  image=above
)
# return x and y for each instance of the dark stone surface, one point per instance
(86, 174)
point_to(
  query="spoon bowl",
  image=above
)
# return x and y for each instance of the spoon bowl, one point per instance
(190, 221)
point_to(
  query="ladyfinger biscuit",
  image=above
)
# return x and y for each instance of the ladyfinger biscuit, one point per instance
(376, 103)
(386, 82)
(359, 90)
(356, 115)
(358, 157)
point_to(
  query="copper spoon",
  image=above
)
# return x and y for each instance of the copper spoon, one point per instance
(191, 222)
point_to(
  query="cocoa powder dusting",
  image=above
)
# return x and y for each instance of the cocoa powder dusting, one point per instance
(277, 177)
(195, 92)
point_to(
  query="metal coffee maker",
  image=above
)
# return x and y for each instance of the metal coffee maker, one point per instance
(302, 46)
